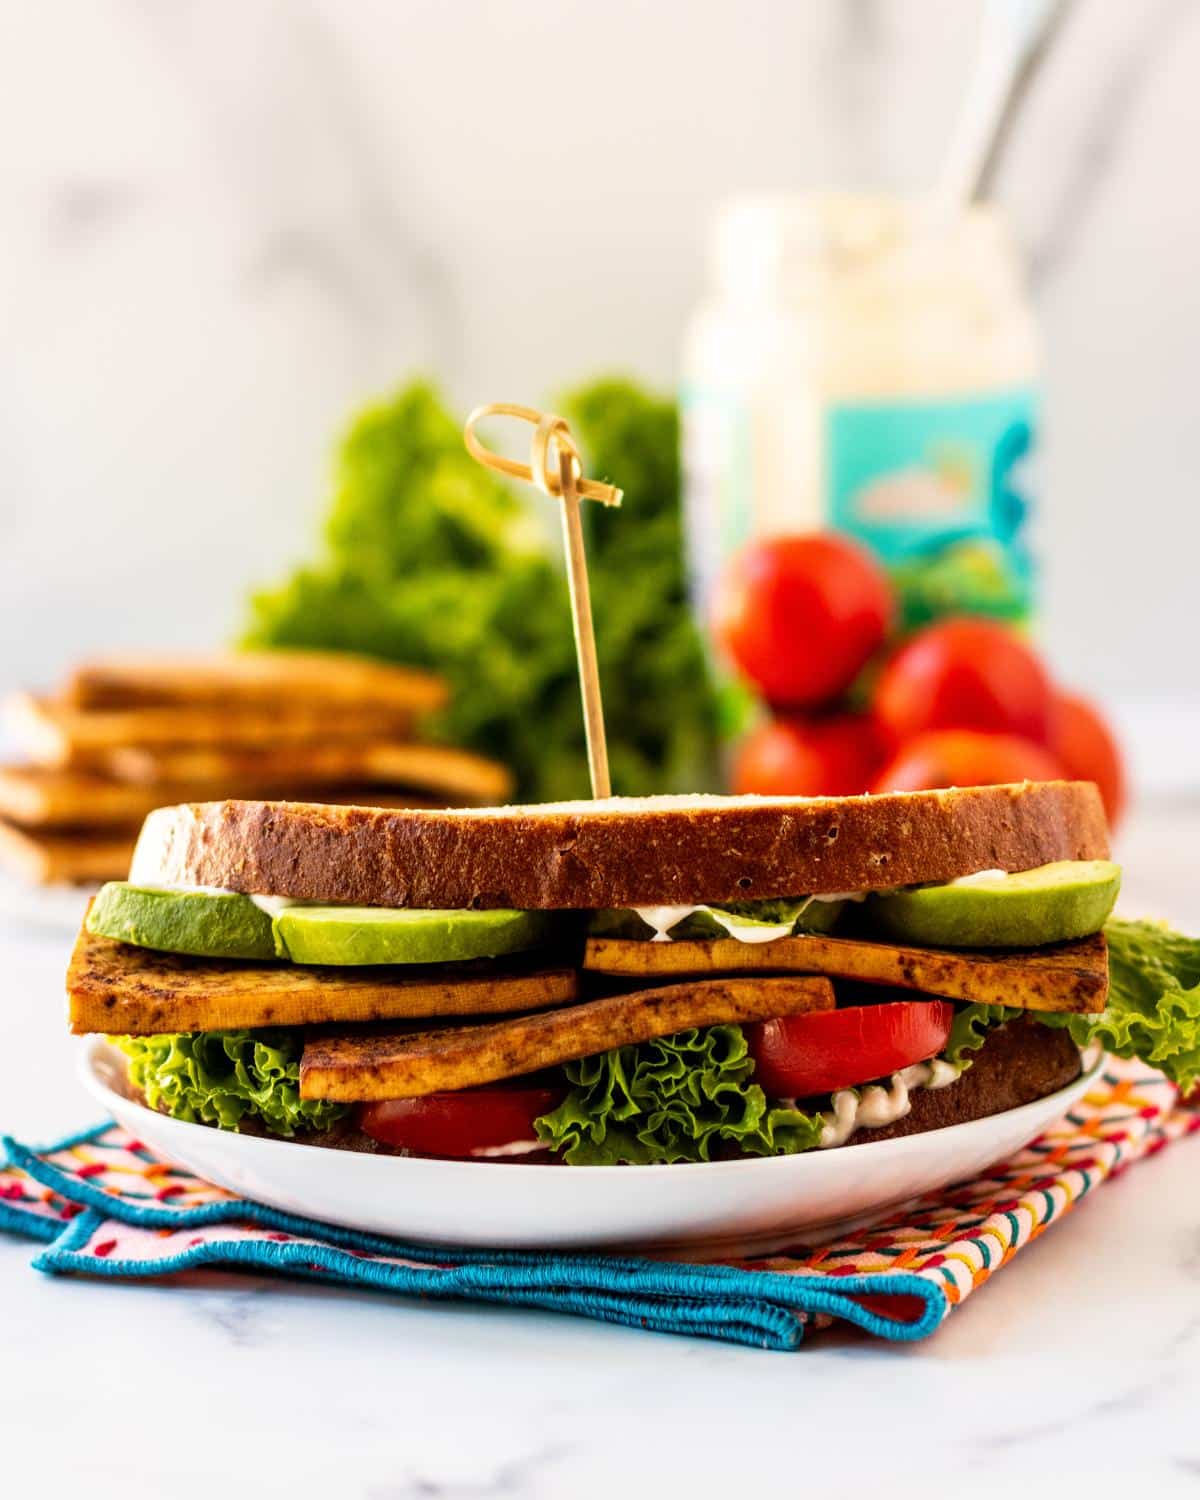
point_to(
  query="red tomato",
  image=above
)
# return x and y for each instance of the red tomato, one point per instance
(834, 757)
(800, 615)
(798, 1056)
(961, 757)
(964, 674)
(458, 1124)
(1081, 738)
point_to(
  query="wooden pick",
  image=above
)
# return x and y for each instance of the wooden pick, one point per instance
(555, 467)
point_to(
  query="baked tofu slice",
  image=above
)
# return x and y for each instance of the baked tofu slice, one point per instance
(1065, 977)
(395, 1065)
(126, 991)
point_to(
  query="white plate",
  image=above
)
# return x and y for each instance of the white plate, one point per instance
(711, 1207)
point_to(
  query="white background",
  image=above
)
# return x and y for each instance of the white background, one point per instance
(224, 223)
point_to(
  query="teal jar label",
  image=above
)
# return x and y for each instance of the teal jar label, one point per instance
(940, 490)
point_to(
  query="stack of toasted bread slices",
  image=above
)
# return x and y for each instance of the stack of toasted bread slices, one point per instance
(125, 735)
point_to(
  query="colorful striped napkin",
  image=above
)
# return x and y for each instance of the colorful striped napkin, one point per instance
(106, 1206)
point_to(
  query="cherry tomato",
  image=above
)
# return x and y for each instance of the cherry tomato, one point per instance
(458, 1124)
(1082, 740)
(800, 615)
(831, 757)
(961, 757)
(798, 1056)
(964, 674)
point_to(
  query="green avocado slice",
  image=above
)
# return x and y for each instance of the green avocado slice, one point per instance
(205, 924)
(1052, 904)
(385, 935)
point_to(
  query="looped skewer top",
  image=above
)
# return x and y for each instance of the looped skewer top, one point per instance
(557, 469)
(551, 438)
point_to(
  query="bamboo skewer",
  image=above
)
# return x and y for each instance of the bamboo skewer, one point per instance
(556, 469)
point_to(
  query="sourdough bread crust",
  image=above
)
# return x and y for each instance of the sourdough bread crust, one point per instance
(621, 851)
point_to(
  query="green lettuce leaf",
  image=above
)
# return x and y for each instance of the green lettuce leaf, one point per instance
(692, 1096)
(224, 1077)
(970, 1028)
(1153, 1010)
(678, 1098)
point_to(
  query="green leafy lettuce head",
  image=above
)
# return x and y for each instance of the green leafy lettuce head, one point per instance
(225, 1077)
(430, 560)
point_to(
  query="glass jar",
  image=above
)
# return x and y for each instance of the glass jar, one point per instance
(867, 365)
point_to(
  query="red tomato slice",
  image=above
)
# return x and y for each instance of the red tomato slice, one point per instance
(798, 1056)
(458, 1124)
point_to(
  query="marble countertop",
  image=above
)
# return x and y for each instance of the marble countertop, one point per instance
(1083, 1359)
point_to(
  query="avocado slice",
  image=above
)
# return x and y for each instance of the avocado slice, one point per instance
(205, 924)
(1068, 899)
(386, 935)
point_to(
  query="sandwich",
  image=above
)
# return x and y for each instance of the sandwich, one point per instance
(628, 981)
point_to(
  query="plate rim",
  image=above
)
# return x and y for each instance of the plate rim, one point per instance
(95, 1047)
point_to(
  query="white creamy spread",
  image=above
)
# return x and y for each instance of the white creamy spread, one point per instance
(514, 1148)
(981, 877)
(273, 905)
(878, 1104)
(663, 918)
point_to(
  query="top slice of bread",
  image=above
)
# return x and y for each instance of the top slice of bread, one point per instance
(620, 852)
(55, 733)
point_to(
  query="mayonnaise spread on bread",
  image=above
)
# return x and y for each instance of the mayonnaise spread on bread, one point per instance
(273, 905)
(878, 1104)
(661, 919)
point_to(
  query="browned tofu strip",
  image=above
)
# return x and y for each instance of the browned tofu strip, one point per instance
(353, 1066)
(1065, 977)
(122, 990)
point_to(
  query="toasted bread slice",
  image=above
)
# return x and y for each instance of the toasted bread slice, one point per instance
(1065, 977)
(36, 796)
(457, 774)
(39, 797)
(118, 989)
(54, 733)
(76, 857)
(621, 852)
(258, 679)
(358, 1065)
